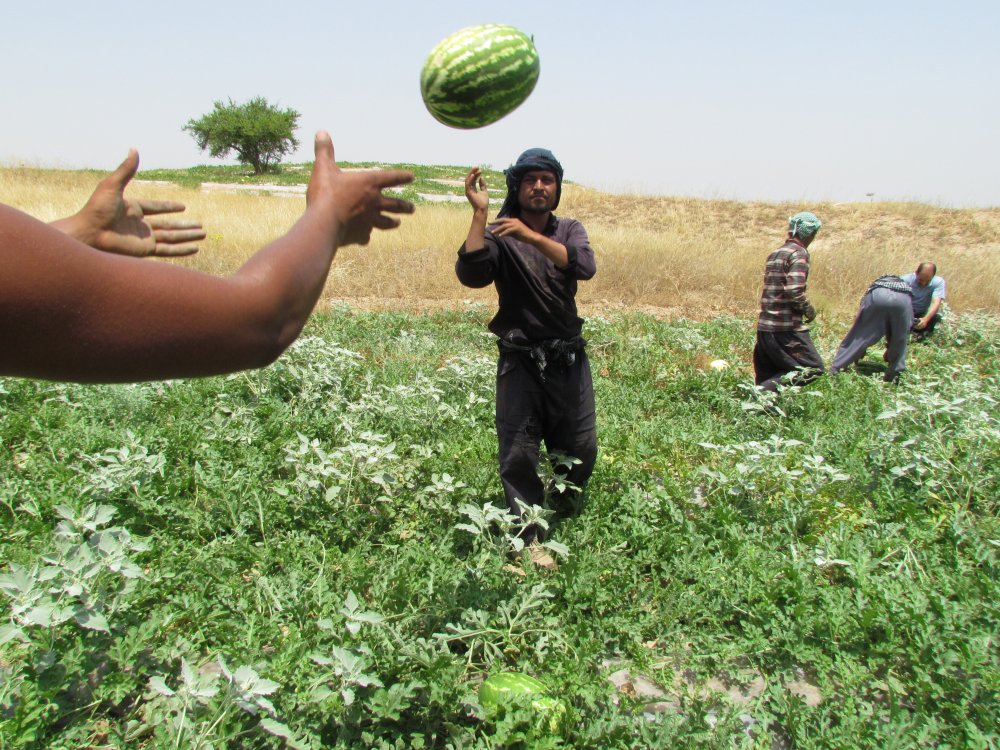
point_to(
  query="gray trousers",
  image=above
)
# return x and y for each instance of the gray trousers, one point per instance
(885, 313)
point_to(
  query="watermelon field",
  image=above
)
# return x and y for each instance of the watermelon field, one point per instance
(313, 555)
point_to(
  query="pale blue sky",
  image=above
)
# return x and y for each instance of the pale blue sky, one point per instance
(790, 101)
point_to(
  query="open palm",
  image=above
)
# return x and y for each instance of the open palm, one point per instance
(115, 224)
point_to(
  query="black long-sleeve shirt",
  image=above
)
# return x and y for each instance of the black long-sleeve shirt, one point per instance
(535, 295)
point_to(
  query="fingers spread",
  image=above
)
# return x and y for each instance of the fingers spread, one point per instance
(391, 177)
(174, 251)
(386, 222)
(176, 236)
(150, 207)
(396, 206)
(174, 224)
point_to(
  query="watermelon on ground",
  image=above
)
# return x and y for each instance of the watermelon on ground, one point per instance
(507, 688)
(478, 75)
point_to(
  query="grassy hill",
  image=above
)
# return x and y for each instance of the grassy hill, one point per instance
(672, 256)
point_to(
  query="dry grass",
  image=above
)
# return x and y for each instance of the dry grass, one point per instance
(709, 254)
(674, 256)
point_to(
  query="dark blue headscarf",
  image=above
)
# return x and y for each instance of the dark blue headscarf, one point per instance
(530, 160)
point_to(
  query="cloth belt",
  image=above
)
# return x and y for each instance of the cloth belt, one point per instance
(893, 283)
(558, 352)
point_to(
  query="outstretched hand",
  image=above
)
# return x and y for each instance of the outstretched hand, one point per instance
(475, 190)
(354, 199)
(115, 224)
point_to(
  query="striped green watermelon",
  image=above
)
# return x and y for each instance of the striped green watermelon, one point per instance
(478, 75)
(503, 689)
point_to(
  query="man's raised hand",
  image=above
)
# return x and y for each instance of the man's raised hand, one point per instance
(475, 190)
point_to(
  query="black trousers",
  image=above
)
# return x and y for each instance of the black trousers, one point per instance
(778, 353)
(557, 409)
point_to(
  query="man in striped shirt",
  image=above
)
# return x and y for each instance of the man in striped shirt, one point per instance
(783, 342)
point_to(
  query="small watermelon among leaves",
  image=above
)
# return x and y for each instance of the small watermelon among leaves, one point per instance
(501, 690)
(478, 75)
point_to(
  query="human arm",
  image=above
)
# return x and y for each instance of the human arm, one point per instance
(568, 247)
(937, 285)
(479, 198)
(69, 312)
(512, 227)
(932, 310)
(582, 262)
(114, 224)
(796, 277)
(476, 264)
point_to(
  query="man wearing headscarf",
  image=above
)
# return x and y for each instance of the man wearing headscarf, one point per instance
(544, 387)
(783, 343)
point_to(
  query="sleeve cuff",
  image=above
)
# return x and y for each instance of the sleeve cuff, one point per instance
(472, 256)
(571, 256)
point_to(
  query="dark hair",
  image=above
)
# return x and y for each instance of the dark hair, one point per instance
(924, 265)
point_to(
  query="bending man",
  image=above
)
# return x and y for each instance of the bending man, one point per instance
(886, 310)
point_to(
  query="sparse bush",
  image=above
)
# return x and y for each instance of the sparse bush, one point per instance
(257, 131)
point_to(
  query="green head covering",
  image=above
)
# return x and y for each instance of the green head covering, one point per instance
(804, 224)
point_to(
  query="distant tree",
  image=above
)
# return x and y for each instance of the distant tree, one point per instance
(258, 132)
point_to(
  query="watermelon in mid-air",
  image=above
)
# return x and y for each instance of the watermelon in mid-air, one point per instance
(478, 75)
(505, 688)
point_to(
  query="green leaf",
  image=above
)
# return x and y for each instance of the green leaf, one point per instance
(104, 515)
(265, 687)
(9, 632)
(91, 619)
(159, 685)
(320, 693)
(558, 547)
(276, 728)
(43, 614)
(66, 512)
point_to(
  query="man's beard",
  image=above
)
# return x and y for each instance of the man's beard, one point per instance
(528, 208)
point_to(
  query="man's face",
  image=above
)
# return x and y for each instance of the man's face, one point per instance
(924, 275)
(537, 191)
